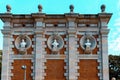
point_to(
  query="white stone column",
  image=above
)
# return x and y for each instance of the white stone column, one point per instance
(39, 56)
(5, 55)
(72, 55)
(105, 63)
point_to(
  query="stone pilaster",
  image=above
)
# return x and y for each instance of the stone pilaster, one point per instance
(5, 56)
(39, 56)
(72, 55)
(105, 63)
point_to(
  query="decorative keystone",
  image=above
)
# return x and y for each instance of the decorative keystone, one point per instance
(40, 8)
(8, 8)
(103, 8)
(71, 8)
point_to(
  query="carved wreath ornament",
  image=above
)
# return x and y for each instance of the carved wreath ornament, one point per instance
(88, 43)
(22, 43)
(55, 43)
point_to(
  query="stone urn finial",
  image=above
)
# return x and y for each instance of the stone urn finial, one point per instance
(103, 8)
(8, 8)
(40, 8)
(71, 8)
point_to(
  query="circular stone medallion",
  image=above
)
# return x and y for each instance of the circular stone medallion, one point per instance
(55, 42)
(92, 41)
(19, 40)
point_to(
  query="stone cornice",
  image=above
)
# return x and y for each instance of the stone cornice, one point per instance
(38, 15)
(69, 15)
(105, 16)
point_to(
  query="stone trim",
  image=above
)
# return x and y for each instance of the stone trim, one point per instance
(33, 52)
(17, 57)
(90, 56)
(50, 31)
(83, 32)
(98, 52)
(56, 56)
(66, 74)
(10, 67)
(91, 29)
(22, 31)
(39, 24)
(99, 58)
(32, 67)
(77, 60)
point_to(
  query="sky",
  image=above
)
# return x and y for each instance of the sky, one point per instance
(62, 6)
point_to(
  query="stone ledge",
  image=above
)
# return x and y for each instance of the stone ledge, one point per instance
(21, 56)
(55, 56)
(87, 56)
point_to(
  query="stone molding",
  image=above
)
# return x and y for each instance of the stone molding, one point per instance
(85, 56)
(6, 32)
(18, 57)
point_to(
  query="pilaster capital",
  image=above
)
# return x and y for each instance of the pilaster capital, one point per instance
(39, 32)
(104, 32)
(6, 32)
(72, 31)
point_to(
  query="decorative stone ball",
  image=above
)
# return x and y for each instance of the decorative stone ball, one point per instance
(71, 8)
(8, 7)
(103, 8)
(40, 7)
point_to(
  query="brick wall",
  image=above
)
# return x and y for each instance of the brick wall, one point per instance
(55, 70)
(88, 70)
(18, 72)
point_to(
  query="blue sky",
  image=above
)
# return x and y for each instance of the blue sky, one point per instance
(62, 6)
